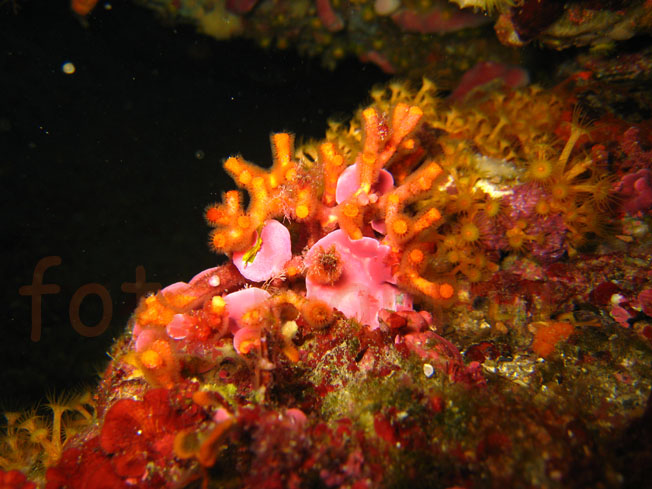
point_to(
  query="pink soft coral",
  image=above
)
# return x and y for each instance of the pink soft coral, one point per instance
(239, 302)
(364, 284)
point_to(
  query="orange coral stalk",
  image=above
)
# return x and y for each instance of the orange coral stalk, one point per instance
(428, 218)
(210, 446)
(350, 218)
(306, 204)
(403, 166)
(372, 135)
(333, 165)
(404, 120)
(282, 148)
(223, 214)
(432, 290)
(242, 171)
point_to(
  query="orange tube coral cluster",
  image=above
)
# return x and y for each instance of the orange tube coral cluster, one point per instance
(235, 228)
(306, 189)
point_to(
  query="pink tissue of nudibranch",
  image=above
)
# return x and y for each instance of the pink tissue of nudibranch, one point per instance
(366, 284)
(275, 251)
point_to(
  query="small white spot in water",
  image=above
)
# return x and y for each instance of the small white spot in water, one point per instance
(428, 370)
(68, 68)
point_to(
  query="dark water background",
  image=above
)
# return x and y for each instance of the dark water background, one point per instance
(110, 168)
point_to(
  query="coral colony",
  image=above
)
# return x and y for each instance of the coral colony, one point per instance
(435, 295)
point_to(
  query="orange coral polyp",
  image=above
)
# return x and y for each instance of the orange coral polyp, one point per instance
(350, 210)
(408, 144)
(416, 256)
(218, 241)
(214, 215)
(400, 226)
(244, 222)
(317, 313)
(446, 291)
(424, 183)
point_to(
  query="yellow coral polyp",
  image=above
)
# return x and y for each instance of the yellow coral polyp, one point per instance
(542, 207)
(492, 207)
(453, 256)
(560, 190)
(302, 211)
(469, 232)
(369, 115)
(218, 304)
(540, 170)
(516, 237)
(151, 359)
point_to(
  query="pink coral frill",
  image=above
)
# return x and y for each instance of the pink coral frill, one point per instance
(365, 286)
(237, 303)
